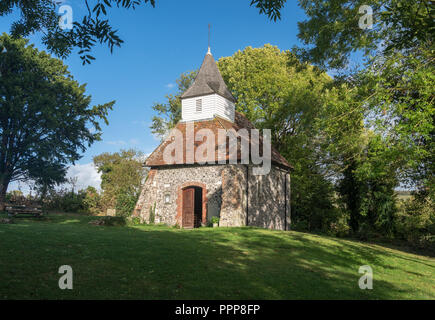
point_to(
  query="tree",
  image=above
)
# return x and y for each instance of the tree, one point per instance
(276, 91)
(398, 91)
(169, 113)
(45, 117)
(393, 92)
(332, 31)
(122, 175)
(42, 16)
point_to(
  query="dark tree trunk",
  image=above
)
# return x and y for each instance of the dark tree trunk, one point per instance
(3, 189)
(350, 189)
(4, 183)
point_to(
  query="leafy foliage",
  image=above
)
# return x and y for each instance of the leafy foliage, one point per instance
(169, 113)
(392, 94)
(400, 107)
(331, 32)
(214, 219)
(125, 203)
(272, 8)
(65, 200)
(41, 16)
(122, 175)
(92, 201)
(45, 117)
(415, 221)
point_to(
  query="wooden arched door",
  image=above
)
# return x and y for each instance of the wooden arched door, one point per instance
(192, 207)
(188, 207)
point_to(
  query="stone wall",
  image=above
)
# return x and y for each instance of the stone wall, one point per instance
(233, 210)
(225, 195)
(268, 207)
(168, 181)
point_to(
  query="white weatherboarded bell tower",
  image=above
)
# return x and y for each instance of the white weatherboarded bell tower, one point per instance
(208, 96)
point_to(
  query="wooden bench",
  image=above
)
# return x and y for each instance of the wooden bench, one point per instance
(16, 209)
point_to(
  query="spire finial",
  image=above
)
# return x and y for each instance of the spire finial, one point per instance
(209, 51)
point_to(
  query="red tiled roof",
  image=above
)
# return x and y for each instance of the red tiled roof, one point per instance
(240, 122)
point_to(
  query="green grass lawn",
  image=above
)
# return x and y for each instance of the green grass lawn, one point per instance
(157, 262)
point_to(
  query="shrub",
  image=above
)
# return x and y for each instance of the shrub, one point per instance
(312, 201)
(415, 221)
(134, 221)
(125, 203)
(67, 201)
(338, 227)
(92, 200)
(214, 219)
(14, 196)
(366, 231)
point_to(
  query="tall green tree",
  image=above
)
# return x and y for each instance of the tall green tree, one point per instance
(393, 89)
(169, 113)
(333, 30)
(122, 175)
(399, 95)
(46, 120)
(276, 91)
(343, 142)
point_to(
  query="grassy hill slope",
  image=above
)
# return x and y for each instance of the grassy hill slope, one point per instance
(157, 262)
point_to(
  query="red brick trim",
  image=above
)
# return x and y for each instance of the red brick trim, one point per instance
(179, 216)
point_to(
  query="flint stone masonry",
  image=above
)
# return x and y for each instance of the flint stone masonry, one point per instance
(269, 206)
(261, 203)
(156, 187)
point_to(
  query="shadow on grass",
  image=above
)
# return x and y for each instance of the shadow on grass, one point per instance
(156, 262)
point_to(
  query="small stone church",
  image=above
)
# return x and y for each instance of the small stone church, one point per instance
(189, 194)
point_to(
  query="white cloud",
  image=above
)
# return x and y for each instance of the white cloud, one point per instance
(142, 123)
(170, 85)
(117, 143)
(86, 174)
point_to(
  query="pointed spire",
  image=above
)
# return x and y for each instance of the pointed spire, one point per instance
(209, 51)
(208, 81)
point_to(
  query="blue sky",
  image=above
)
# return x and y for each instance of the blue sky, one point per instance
(160, 44)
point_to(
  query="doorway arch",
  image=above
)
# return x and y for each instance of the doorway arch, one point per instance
(192, 205)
